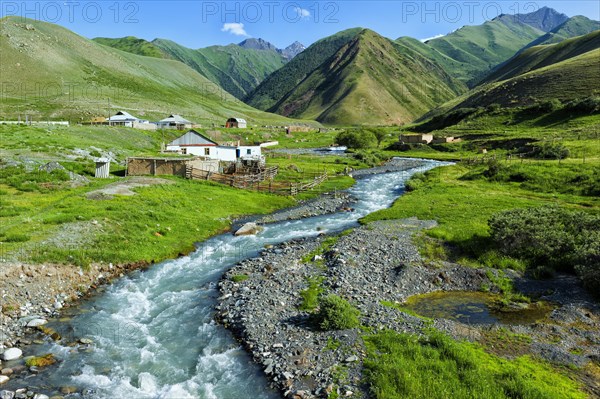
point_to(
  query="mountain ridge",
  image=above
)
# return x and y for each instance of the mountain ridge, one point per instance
(347, 87)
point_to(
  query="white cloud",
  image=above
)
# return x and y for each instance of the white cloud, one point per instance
(235, 29)
(431, 38)
(302, 12)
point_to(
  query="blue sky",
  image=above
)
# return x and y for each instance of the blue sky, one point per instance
(203, 23)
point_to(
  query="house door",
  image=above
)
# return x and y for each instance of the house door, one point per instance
(238, 153)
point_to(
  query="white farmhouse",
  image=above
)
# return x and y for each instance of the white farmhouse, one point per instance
(124, 118)
(174, 122)
(194, 143)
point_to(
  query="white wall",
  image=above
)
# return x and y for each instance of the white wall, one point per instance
(219, 152)
(254, 151)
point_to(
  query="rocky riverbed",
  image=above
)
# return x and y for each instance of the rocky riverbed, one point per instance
(370, 265)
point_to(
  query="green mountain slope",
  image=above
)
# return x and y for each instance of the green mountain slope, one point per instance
(541, 56)
(54, 73)
(236, 69)
(132, 45)
(284, 80)
(480, 48)
(370, 80)
(573, 78)
(576, 26)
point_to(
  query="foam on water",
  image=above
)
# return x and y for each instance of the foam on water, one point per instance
(154, 334)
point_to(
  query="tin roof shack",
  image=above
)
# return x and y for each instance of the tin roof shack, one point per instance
(238, 123)
(174, 122)
(416, 138)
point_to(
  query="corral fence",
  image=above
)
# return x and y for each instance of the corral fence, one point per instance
(262, 180)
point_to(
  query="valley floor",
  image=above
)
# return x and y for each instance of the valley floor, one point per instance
(376, 268)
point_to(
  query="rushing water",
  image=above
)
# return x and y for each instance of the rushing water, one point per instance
(153, 332)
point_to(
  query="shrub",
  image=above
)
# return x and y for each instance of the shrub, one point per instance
(357, 139)
(336, 313)
(550, 236)
(371, 158)
(586, 105)
(16, 237)
(310, 296)
(495, 107)
(415, 182)
(546, 107)
(238, 278)
(550, 151)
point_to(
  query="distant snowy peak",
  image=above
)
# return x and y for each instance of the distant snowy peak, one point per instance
(293, 50)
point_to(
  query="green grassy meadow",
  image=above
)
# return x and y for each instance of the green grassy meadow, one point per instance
(435, 366)
(160, 222)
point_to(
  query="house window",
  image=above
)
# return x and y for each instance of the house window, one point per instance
(207, 151)
(248, 152)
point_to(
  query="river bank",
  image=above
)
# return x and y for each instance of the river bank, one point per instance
(372, 267)
(41, 292)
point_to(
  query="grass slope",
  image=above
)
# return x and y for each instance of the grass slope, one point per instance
(56, 74)
(541, 56)
(576, 26)
(236, 69)
(132, 45)
(349, 88)
(480, 48)
(284, 80)
(572, 78)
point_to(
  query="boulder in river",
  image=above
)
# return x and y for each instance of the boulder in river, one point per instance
(249, 229)
(11, 354)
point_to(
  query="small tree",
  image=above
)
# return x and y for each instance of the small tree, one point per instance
(356, 139)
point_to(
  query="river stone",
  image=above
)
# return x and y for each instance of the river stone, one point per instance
(3, 379)
(7, 394)
(249, 229)
(37, 322)
(40, 396)
(12, 354)
(68, 389)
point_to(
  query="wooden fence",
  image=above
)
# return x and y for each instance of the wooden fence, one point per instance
(260, 181)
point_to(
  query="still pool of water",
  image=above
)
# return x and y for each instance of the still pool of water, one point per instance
(473, 308)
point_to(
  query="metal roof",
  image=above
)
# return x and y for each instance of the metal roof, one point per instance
(238, 120)
(192, 137)
(175, 118)
(122, 116)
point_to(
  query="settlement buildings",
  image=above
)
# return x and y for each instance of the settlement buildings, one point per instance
(194, 143)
